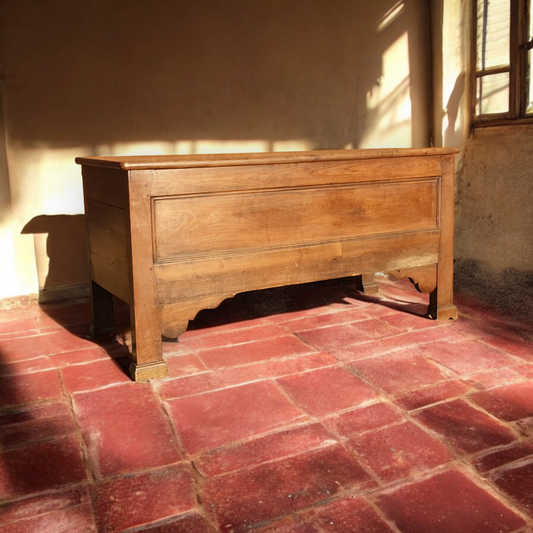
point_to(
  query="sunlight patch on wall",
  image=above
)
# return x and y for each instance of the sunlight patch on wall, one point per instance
(17, 267)
(389, 102)
(8, 272)
(391, 15)
(203, 146)
(49, 182)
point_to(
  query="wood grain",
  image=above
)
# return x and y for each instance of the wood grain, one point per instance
(240, 273)
(107, 216)
(144, 312)
(109, 260)
(274, 219)
(280, 176)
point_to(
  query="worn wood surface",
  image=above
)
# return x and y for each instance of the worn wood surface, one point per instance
(176, 234)
(276, 219)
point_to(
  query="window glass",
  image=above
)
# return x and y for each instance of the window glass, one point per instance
(493, 33)
(492, 94)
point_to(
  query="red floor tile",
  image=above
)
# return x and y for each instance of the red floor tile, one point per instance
(408, 322)
(509, 403)
(95, 374)
(399, 451)
(517, 483)
(79, 519)
(210, 420)
(288, 525)
(29, 388)
(328, 319)
(334, 338)
(494, 378)
(64, 341)
(19, 349)
(38, 505)
(41, 466)
(189, 385)
(449, 333)
(363, 419)
(134, 501)
(263, 449)
(371, 348)
(77, 357)
(468, 357)
(37, 429)
(348, 515)
(184, 365)
(525, 370)
(447, 503)
(252, 352)
(22, 325)
(246, 417)
(432, 394)
(503, 457)
(277, 368)
(327, 390)
(467, 429)
(516, 345)
(125, 429)
(23, 413)
(210, 381)
(188, 523)
(28, 365)
(249, 497)
(193, 341)
(399, 372)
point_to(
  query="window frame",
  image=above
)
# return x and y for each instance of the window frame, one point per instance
(519, 45)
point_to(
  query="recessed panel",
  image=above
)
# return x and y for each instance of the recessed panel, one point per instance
(228, 223)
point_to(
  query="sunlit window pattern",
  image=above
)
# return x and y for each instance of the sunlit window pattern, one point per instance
(493, 56)
(493, 94)
(493, 33)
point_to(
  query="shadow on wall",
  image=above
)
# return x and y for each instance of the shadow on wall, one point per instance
(207, 70)
(60, 250)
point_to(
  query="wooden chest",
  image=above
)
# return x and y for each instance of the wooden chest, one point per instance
(172, 235)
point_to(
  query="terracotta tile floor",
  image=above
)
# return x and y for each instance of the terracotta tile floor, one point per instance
(307, 409)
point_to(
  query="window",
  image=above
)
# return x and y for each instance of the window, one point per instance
(503, 42)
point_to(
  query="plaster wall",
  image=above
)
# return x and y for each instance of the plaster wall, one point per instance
(494, 216)
(106, 78)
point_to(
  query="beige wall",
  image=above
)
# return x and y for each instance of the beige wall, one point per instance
(99, 78)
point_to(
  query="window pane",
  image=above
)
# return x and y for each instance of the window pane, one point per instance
(493, 31)
(492, 94)
(529, 82)
(530, 19)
